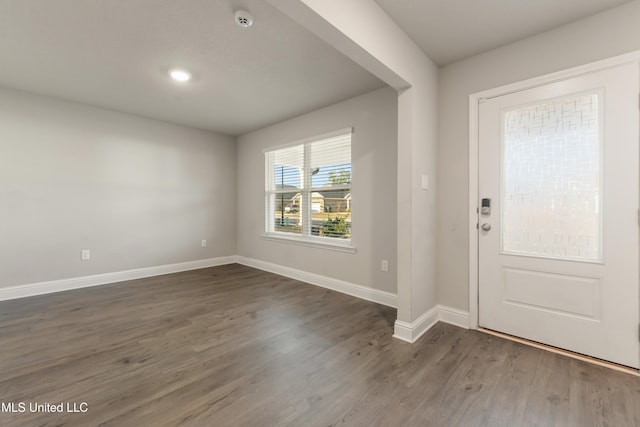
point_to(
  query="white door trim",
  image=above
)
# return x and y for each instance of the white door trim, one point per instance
(474, 100)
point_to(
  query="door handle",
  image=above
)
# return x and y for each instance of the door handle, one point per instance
(486, 227)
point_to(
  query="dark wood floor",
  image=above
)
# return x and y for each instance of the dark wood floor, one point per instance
(235, 346)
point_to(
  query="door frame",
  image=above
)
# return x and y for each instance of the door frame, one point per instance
(474, 168)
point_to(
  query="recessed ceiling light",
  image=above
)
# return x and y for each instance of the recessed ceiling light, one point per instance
(180, 75)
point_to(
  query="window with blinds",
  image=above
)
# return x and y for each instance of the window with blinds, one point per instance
(308, 189)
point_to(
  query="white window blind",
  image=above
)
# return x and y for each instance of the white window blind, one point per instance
(308, 189)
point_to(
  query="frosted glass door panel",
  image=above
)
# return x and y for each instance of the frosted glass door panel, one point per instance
(552, 179)
(559, 253)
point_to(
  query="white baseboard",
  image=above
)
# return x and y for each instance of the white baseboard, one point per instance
(411, 332)
(32, 289)
(381, 297)
(453, 316)
(405, 331)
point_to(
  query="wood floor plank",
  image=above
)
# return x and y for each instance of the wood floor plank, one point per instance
(236, 346)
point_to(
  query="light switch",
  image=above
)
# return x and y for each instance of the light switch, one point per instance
(425, 182)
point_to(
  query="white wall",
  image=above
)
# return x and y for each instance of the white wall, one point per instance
(373, 118)
(378, 44)
(605, 35)
(136, 192)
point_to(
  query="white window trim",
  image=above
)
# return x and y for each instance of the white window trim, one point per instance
(326, 135)
(312, 241)
(340, 245)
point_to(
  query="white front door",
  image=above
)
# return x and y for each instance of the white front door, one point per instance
(559, 242)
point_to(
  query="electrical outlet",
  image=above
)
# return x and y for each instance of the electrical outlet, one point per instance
(203, 243)
(85, 255)
(384, 265)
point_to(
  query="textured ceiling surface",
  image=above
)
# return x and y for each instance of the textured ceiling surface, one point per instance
(116, 54)
(451, 30)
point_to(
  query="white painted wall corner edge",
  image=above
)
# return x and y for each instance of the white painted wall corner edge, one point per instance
(40, 288)
(411, 332)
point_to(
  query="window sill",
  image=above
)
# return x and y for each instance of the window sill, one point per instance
(320, 243)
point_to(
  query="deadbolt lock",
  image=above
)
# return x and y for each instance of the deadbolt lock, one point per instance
(485, 207)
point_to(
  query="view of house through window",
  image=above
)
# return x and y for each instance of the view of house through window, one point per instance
(308, 188)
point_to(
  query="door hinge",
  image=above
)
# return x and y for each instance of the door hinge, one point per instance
(638, 216)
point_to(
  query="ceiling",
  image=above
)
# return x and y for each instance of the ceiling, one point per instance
(450, 30)
(116, 54)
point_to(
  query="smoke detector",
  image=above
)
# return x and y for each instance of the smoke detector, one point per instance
(243, 18)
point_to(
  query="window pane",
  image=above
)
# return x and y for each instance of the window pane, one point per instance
(308, 188)
(551, 181)
(288, 165)
(287, 215)
(331, 162)
(331, 213)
